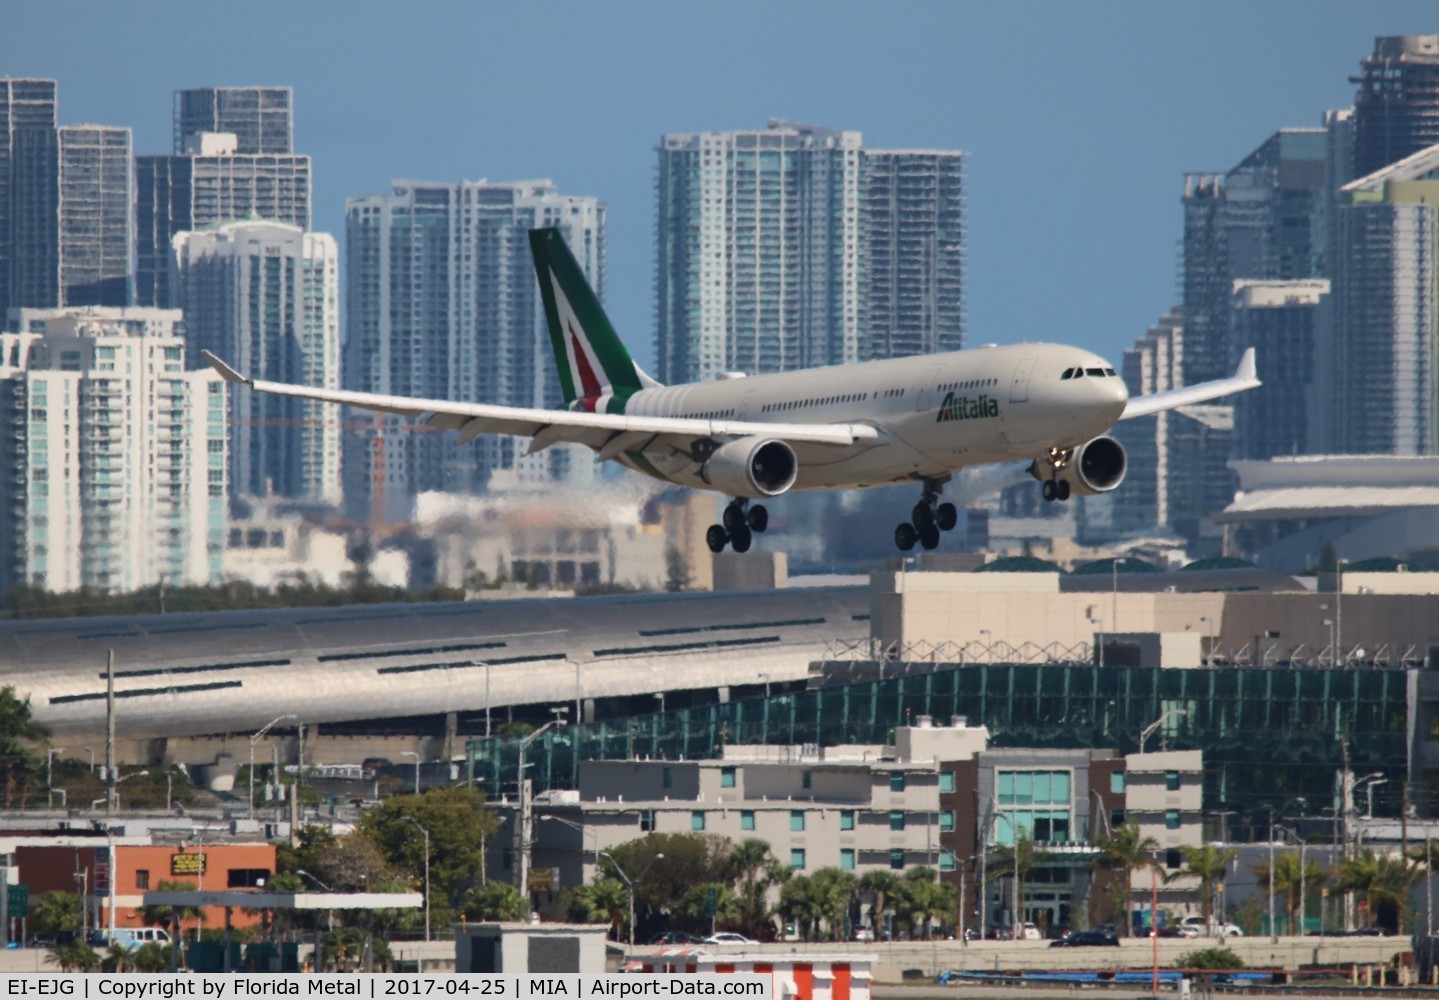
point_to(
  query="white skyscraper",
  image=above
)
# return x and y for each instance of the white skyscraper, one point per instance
(112, 467)
(265, 297)
(758, 251)
(442, 302)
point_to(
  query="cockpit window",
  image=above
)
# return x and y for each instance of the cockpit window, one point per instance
(1068, 373)
(1111, 372)
(1096, 372)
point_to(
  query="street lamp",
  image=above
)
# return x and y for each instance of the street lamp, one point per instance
(1209, 634)
(418, 758)
(411, 819)
(525, 808)
(118, 782)
(331, 919)
(50, 772)
(1369, 795)
(1149, 729)
(263, 730)
(631, 886)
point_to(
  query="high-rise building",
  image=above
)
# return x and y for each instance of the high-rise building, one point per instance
(260, 118)
(97, 233)
(24, 103)
(265, 297)
(112, 465)
(1382, 396)
(912, 240)
(72, 228)
(210, 182)
(442, 303)
(758, 251)
(1154, 364)
(1396, 109)
(1283, 321)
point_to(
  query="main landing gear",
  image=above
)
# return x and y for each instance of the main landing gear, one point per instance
(927, 520)
(739, 526)
(1055, 488)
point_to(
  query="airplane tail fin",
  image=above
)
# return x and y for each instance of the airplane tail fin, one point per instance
(594, 366)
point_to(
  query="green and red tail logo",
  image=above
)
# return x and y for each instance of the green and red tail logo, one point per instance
(596, 372)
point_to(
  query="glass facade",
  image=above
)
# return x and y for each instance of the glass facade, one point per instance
(1293, 720)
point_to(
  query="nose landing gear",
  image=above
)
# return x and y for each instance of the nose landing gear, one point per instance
(927, 520)
(738, 526)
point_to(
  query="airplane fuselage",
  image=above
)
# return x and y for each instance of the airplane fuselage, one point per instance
(934, 413)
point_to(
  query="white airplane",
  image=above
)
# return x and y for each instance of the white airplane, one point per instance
(915, 419)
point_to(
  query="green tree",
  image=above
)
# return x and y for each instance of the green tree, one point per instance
(151, 957)
(802, 903)
(22, 770)
(836, 890)
(1208, 864)
(881, 884)
(495, 901)
(755, 871)
(692, 911)
(603, 901)
(73, 956)
(1288, 881)
(1018, 861)
(1383, 880)
(1125, 850)
(460, 824)
(1211, 958)
(55, 911)
(661, 881)
(920, 897)
(172, 917)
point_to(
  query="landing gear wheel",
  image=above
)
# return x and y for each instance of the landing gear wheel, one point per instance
(922, 516)
(733, 517)
(715, 538)
(905, 536)
(1062, 490)
(740, 538)
(929, 537)
(946, 517)
(1050, 491)
(758, 518)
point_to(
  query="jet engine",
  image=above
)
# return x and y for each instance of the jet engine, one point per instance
(1097, 466)
(751, 467)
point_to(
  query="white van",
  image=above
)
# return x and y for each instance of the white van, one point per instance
(135, 937)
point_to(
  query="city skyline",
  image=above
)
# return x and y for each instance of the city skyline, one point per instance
(1073, 176)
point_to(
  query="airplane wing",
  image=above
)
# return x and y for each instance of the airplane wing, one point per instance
(610, 433)
(1244, 377)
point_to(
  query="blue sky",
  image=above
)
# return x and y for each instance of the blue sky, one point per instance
(1080, 118)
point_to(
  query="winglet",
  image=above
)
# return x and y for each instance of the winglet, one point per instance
(1246, 368)
(226, 372)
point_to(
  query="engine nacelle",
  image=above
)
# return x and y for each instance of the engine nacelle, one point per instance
(1097, 466)
(752, 467)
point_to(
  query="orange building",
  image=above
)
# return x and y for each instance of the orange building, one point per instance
(72, 862)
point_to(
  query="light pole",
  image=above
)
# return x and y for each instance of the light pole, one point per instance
(524, 793)
(579, 695)
(584, 832)
(1273, 931)
(118, 782)
(418, 758)
(765, 678)
(1148, 730)
(1369, 795)
(263, 730)
(1208, 658)
(630, 885)
(487, 699)
(50, 773)
(91, 752)
(1339, 609)
(411, 819)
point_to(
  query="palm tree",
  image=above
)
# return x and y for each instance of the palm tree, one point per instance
(1383, 879)
(755, 870)
(881, 883)
(835, 889)
(1125, 850)
(1018, 860)
(797, 905)
(1208, 864)
(922, 897)
(1289, 881)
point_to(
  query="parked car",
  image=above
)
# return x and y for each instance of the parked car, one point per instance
(1219, 928)
(1085, 939)
(728, 937)
(863, 934)
(675, 937)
